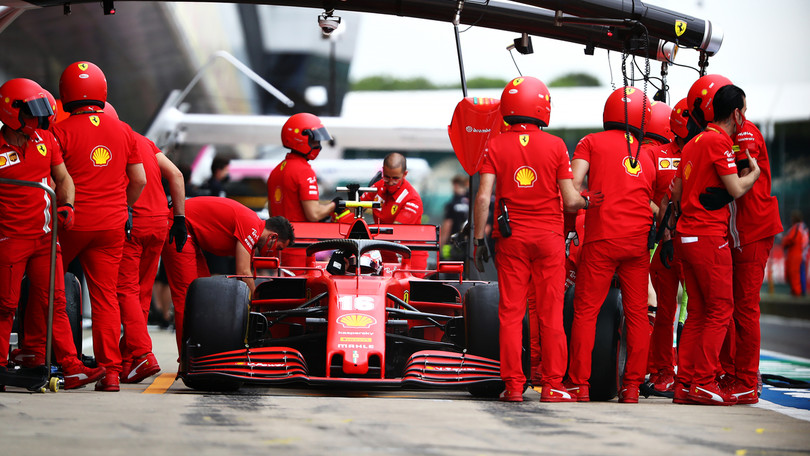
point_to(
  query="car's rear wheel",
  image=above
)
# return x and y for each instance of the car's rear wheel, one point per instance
(216, 318)
(607, 358)
(482, 329)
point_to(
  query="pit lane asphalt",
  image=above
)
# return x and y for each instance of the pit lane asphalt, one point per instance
(162, 416)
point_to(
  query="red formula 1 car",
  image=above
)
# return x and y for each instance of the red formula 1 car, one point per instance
(356, 316)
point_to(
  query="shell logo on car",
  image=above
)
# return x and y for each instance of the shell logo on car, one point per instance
(356, 321)
(101, 156)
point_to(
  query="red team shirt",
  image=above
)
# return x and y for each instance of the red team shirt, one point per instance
(291, 182)
(667, 157)
(404, 206)
(755, 215)
(97, 149)
(705, 158)
(625, 212)
(152, 202)
(531, 195)
(26, 211)
(208, 217)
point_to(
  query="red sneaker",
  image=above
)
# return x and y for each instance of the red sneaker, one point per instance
(511, 396)
(744, 394)
(109, 382)
(25, 358)
(581, 392)
(681, 394)
(556, 393)
(664, 382)
(710, 394)
(80, 375)
(628, 394)
(141, 368)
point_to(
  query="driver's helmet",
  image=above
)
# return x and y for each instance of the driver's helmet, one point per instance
(371, 263)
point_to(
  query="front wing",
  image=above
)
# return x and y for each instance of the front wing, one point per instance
(281, 365)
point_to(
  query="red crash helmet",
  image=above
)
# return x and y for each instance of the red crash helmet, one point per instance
(60, 112)
(54, 107)
(24, 106)
(627, 105)
(526, 100)
(659, 129)
(82, 84)
(108, 109)
(701, 97)
(303, 133)
(678, 120)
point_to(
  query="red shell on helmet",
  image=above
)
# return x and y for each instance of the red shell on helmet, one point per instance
(701, 95)
(678, 120)
(303, 133)
(659, 129)
(82, 84)
(637, 110)
(527, 98)
(24, 95)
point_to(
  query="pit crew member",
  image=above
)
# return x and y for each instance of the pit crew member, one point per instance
(223, 227)
(533, 172)
(616, 235)
(101, 155)
(29, 152)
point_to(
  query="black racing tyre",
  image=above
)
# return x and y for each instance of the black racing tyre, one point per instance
(481, 322)
(607, 358)
(73, 307)
(215, 321)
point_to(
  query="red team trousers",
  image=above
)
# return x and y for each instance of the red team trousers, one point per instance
(181, 269)
(100, 255)
(665, 281)
(136, 277)
(740, 356)
(18, 256)
(630, 258)
(707, 270)
(522, 264)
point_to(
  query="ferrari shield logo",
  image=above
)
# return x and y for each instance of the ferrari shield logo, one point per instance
(630, 139)
(517, 81)
(42, 149)
(680, 27)
(83, 66)
(633, 167)
(277, 194)
(394, 208)
(524, 140)
(95, 120)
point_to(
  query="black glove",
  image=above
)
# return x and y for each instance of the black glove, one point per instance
(571, 237)
(667, 253)
(651, 236)
(178, 232)
(340, 204)
(128, 226)
(481, 253)
(715, 198)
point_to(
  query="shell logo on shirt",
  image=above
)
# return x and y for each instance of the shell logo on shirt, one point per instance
(95, 120)
(628, 166)
(42, 149)
(524, 140)
(394, 208)
(9, 159)
(687, 171)
(525, 176)
(666, 163)
(101, 156)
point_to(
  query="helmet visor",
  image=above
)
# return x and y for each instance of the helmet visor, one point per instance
(319, 134)
(37, 107)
